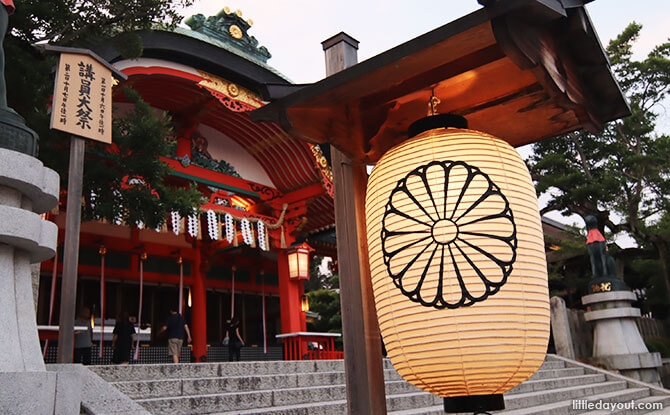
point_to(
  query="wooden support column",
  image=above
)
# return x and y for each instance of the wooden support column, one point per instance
(362, 340)
(199, 309)
(71, 251)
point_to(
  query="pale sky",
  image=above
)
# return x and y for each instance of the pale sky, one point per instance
(293, 30)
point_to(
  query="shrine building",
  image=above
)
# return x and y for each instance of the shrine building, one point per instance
(263, 192)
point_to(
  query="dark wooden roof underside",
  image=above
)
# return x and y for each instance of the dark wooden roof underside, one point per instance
(523, 70)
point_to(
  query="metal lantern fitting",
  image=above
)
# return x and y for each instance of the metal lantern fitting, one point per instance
(458, 264)
(298, 261)
(305, 303)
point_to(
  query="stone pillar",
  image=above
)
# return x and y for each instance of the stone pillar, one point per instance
(617, 343)
(27, 189)
(560, 328)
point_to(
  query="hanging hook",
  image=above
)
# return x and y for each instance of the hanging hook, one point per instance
(432, 104)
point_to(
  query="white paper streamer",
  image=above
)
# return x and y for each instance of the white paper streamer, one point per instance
(212, 225)
(175, 222)
(230, 228)
(246, 231)
(262, 236)
(193, 225)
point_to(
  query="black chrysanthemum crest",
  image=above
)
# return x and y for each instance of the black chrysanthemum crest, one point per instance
(430, 245)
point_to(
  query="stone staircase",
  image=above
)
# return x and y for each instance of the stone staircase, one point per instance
(318, 387)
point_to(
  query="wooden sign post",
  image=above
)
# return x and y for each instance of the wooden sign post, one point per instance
(82, 106)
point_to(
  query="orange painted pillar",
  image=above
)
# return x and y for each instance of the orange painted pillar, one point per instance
(290, 294)
(199, 310)
(183, 147)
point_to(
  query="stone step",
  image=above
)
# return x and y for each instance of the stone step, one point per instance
(533, 385)
(120, 373)
(117, 373)
(565, 406)
(552, 364)
(561, 407)
(205, 403)
(664, 401)
(205, 386)
(557, 373)
(394, 403)
(524, 400)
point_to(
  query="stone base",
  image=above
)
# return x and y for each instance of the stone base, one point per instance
(644, 375)
(640, 366)
(39, 393)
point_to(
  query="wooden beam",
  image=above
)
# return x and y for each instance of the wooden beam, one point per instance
(360, 329)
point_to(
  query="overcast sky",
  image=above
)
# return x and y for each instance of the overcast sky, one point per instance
(293, 30)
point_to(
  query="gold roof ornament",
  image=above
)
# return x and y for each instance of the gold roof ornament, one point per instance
(235, 31)
(229, 27)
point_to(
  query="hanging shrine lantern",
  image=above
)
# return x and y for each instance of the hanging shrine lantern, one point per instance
(298, 261)
(458, 264)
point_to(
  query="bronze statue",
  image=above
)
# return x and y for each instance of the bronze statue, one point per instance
(14, 134)
(603, 268)
(5, 12)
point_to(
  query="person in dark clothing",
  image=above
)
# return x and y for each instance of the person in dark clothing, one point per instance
(235, 341)
(176, 327)
(122, 342)
(83, 339)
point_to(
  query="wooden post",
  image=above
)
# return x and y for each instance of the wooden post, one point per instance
(71, 251)
(362, 340)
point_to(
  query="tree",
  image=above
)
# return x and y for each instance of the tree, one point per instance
(327, 304)
(124, 181)
(127, 183)
(621, 174)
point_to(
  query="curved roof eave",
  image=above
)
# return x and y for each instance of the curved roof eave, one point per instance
(202, 52)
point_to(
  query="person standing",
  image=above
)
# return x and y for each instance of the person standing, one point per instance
(235, 341)
(176, 327)
(83, 339)
(122, 342)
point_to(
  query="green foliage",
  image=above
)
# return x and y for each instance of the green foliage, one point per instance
(661, 346)
(620, 175)
(127, 183)
(141, 136)
(327, 304)
(69, 21)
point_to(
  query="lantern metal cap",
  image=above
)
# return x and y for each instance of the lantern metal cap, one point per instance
(436, 121)
(302, 247)
(477, 403)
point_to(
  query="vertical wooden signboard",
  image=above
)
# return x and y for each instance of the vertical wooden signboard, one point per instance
(82, 106)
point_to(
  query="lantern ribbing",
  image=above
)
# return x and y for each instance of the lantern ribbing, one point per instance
(457, 262)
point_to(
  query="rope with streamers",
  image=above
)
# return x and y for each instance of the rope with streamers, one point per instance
(268, 226)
